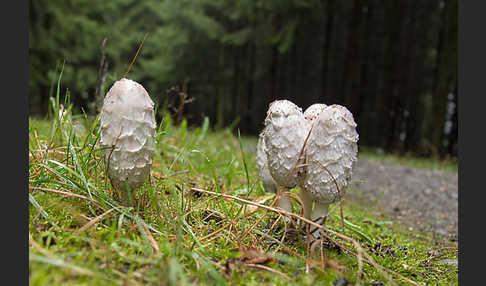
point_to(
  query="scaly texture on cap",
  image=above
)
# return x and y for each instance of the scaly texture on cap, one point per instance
(263, 172)
(333, 142)
(127, 134)
(284, 135)
(313, 111)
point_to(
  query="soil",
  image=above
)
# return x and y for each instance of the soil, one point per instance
(425, 200)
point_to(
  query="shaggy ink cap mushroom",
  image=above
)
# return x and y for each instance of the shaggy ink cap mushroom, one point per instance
(264, 174)
(127, 135)
(333, 143)
(284, 136)
(269, 183)
(331, 153)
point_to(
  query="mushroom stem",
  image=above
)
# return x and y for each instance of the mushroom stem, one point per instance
(307, 201)
(125, 198)
(319, 214)
(126, 195)
(284, 202)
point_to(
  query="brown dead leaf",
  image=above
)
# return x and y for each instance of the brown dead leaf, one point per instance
(252, 255)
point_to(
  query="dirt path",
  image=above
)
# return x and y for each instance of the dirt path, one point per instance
(426, 200)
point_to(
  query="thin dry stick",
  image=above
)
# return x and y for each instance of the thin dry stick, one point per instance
(314, 245)
(151, 238)
(95, 220)
(275, 223)
(67, 194)
(268, 269)
(369, 259)
(284, 234)
(276, 198)
(253, 226)
(322, 258)
(307, 232)
(216, 231)
(135, 57)
(360, 267)
(227, 238)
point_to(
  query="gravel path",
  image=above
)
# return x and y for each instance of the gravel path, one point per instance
(425, 200)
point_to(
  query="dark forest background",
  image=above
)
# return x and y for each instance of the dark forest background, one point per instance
(392, 63)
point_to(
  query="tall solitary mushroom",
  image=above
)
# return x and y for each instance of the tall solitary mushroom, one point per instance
(127, 136)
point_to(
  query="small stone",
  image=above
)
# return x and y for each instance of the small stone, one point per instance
(453, 262)
(341, 281)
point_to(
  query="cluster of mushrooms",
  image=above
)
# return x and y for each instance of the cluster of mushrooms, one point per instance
(315, 150)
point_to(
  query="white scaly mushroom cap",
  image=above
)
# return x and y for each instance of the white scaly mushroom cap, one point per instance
(313, 111)
(333, 142)
(263, 171)
(128, 124)
(284, 136)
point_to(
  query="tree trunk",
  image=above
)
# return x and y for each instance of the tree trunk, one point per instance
(365, 96)
(220, 105)
(395, 17)
(326, 93)
(250, 86)
(445, 74)
(453, 135)
(351, 69)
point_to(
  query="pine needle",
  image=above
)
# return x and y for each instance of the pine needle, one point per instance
(135, 57)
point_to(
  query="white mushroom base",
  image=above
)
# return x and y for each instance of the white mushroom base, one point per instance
(318, 215)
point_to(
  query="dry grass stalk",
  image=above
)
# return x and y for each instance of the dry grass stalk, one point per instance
(135, 57)
(151, 238)
(216, 231)
(67, 194)
(269, 269)
(95, 220)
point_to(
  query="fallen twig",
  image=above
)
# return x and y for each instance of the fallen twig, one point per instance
(268, 269)
(95, 220)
